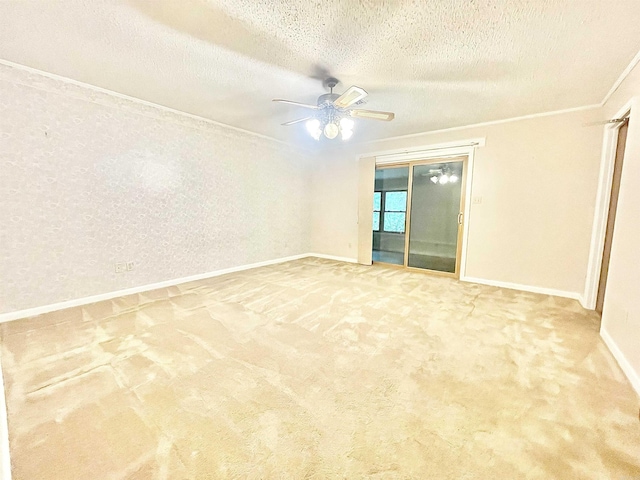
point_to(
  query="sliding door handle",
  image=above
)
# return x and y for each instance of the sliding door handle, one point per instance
(460, 218)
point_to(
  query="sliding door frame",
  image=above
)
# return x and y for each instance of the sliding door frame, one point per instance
(465, 159)
(460, 147)
(407, 227)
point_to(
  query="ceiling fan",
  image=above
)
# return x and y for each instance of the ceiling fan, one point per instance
(332, 112)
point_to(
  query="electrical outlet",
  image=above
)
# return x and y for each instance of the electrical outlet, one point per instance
(477, 200)
(130, 265)
(121, 267)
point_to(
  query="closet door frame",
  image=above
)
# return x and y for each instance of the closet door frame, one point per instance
(462, 209)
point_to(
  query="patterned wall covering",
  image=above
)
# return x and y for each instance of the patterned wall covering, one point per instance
(88, 179)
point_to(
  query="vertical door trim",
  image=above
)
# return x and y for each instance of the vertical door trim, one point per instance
(468, 176)
(596, 249)
(463, 211)
(366, 187)
(618, 165)
(407, 218)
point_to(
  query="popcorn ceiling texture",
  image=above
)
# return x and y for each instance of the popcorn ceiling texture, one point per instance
(89, 179)
(436, 64)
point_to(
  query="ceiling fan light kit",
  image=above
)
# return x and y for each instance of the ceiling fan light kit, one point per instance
(313, 127)
(332, 113)
(442, 176)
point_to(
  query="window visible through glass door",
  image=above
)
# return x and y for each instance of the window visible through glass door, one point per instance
(390, 214)
(390, 211)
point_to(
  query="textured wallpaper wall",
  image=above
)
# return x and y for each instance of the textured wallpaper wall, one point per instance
(88, 179)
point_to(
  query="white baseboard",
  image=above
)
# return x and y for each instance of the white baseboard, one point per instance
(524, 288)
(333, 257)
(584, 303)
(31, 312)
(627, 369)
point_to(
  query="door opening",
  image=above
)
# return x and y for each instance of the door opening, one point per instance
(390, 200)
(611, 216)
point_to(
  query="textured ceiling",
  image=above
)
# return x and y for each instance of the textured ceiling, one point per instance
(437, 64)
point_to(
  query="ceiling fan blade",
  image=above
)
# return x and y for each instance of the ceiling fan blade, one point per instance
(305, 105)
(352, 95)
(292, 122)
(373, 115)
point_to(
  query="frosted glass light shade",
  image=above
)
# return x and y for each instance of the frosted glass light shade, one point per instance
(313, 127)
(331, 131)
(346, 124)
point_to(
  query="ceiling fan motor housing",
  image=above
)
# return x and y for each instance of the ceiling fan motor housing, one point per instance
(327, 98)
(330, 83)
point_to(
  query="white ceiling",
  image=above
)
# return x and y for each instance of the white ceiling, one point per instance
(437, 64)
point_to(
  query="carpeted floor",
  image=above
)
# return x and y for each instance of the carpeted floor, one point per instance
(316, 369)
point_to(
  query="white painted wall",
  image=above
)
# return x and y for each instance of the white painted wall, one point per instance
(537, 178)
(88, 179)
(621, 312)
(334, 205)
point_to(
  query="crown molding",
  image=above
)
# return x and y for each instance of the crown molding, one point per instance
(486, 124)
(138, 101)
(625, 73)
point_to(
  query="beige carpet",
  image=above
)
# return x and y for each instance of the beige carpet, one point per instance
(319, 370)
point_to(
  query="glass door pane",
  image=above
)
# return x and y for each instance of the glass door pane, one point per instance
(436, 192)
(390, 214)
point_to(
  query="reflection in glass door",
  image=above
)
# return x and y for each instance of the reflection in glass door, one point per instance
(389, 214)
(435, 218)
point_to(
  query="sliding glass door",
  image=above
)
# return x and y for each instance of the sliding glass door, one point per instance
(390, 214)
(436, 206)
(418, 214)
